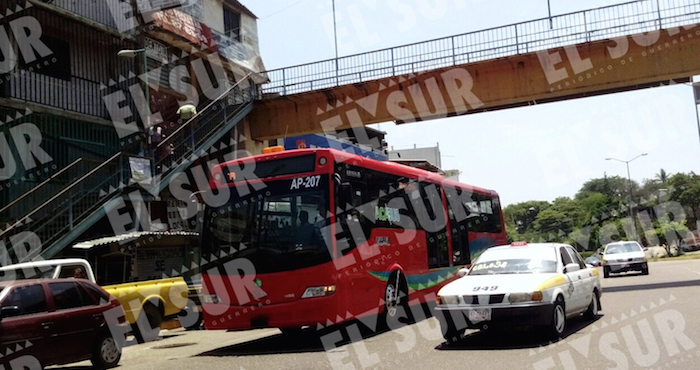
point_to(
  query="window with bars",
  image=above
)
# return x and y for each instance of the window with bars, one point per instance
(232, 24)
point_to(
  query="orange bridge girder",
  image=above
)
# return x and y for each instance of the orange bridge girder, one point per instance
(593, 68)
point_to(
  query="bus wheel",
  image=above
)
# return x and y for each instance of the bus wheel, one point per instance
(291, 331)
(396, 296)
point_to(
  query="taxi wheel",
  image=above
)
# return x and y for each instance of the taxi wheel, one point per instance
(606, 272)
(106, 353)
(645, 271)
(558, 324)
(452, 335)
(593, 308)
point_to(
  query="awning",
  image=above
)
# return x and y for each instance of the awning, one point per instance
(241, 57)
(126, 238)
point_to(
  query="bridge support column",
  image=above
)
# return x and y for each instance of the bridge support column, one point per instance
(246, 143)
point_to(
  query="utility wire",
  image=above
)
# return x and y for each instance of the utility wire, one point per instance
(283, 9)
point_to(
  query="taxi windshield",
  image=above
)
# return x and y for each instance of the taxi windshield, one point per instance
(515, 261)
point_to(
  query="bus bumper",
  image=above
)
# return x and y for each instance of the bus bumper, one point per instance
(302, 312)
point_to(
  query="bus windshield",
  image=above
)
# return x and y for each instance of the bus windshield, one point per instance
(278, 228)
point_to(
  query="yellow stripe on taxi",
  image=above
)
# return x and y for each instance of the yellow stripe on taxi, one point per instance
(552, 282)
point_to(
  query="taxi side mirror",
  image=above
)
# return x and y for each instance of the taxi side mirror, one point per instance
(462, 272)
(572, 267)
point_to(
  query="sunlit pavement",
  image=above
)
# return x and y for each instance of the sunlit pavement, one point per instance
(646, 322)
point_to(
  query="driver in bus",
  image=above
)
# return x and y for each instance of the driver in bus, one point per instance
(304, 232)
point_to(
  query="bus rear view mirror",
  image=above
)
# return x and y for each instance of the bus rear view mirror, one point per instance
(345, 193)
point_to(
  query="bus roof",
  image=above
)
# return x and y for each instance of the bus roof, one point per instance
(344, 157)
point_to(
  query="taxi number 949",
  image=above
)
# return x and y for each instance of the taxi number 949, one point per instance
(305, 182)
(485, 288)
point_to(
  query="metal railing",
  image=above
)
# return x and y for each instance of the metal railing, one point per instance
(18, 207)
(67, 208)
(519, 38)
(184, 142)
(112, 15)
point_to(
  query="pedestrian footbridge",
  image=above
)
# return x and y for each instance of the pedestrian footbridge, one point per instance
(617, 48)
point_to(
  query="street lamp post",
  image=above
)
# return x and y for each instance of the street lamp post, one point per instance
(335, 34)
(629, 178)
(131, 54)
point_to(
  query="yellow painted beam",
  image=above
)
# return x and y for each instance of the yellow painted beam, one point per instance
(624, 63)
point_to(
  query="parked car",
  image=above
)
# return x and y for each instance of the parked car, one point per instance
(520, 285)
(624, 256)
(59, 322)
(594, 261)
(158, 300)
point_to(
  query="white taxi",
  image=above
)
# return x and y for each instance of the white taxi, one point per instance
(624, 256)
(520, 285)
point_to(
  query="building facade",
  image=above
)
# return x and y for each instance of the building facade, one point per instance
(85, 88)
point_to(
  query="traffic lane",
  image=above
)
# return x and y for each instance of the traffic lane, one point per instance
(174, 346)
(666, 313)
(648, 322)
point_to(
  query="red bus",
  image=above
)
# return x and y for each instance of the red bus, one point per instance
(313, 236)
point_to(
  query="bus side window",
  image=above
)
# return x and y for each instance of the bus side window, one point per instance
(433, 221)
(349, 232)
(460, 238)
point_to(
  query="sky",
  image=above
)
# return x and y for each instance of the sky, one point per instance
(532, 153)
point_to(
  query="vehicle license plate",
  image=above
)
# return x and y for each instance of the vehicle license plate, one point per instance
(479, 315)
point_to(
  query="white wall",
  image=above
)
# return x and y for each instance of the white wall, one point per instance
(213, 14)
(431, 154)
(249, 32)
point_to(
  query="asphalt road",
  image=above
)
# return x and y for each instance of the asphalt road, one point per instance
(646, 322)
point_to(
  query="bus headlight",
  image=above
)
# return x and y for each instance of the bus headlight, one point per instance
(210, 299)
(318, 291)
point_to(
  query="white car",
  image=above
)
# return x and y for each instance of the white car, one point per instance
(520, 285)
(624, 256)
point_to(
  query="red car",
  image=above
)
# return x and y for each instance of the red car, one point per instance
(52, 322)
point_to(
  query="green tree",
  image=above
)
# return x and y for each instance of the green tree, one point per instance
(552, 221)
(685, 189)
(651, 192)
(662, 177)
(615, 188)
(522, 215)
(592, 207)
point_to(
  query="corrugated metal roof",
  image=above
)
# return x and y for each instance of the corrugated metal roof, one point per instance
(129, 237)
(237, 4)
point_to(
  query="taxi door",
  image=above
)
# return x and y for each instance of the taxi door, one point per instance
(587, 277)
(575, 282)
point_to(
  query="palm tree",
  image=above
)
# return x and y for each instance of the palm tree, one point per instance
(662, 176)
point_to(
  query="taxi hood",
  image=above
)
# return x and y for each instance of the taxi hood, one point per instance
(495, 284)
